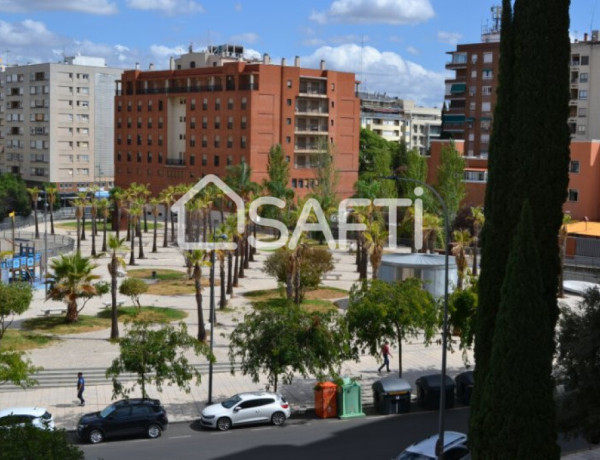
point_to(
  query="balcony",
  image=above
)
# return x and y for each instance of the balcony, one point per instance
(175, 162)
(312, 110)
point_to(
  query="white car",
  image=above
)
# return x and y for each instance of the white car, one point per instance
(455, 448)
(247, 408)
(36, 416)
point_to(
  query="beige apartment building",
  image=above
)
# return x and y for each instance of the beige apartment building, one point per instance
(57, 122)
(397, 119)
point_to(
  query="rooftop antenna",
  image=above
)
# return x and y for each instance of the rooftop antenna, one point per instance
(593, 13)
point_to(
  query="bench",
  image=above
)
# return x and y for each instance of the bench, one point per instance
(54, 311)
(108, 304)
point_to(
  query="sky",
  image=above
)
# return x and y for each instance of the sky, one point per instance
(397, 47)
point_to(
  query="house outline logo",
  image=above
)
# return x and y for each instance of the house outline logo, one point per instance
(179, 208)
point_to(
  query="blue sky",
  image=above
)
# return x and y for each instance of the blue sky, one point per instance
(394, 46)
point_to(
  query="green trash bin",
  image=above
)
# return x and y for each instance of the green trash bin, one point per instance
(349, 400)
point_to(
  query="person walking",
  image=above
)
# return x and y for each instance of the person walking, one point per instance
(80, 388)
(385, 352)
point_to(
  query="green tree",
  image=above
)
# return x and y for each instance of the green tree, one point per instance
(381, 311)
(116, 246)
(134, 288)
(51, 197)
(15, 299)
(462, 240)
(462, 310)
(34, 193)
(287, 340)
(15, 368)
(530, 137)
(327, 178)
(520, 348)
(376, 237)
(477, 219)
(73, 278)
(578, 351)
(155, 210)
(196, 260)
(13, 196)
(277, 185)
(156, 356)
(450, 183)
(416, 169)
(29, 442)
(104, 211)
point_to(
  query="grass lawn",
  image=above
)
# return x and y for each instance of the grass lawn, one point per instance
(17, 340)
(317, 300)
(87, 323)
(169, 282)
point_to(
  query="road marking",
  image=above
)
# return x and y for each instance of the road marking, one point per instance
(180, 437)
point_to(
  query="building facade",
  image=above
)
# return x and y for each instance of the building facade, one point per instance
(399, 120)
(215, 109)
(57, 123)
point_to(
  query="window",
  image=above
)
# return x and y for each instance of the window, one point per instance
(204, 122)
(294, 183)
(204, 159)
(472, 90)
(160, 157)
(471, 137)
(244, 123)
(288, 139)
(229, 122)
(583, 94)
(244, 102)
(472, 105)
(218, 104)
(149, 123)
(288, 121)
(129, 106)
(149, 157)
(582, 112)
(473, 58)
(573, 194)
(217, 143)
(581, 129)
(289, 102)
(150, 106)
(229, 142)
(487, 74)
(193, 141)
(193, 104)
(574, 167)
(192, 160)
(583, 77)
(289, 83)
(205, 104)
(486, 90)
(139, 106)
(229, 160)
(204, 141)
(160, 122)
(217, 122)
(192, 122)
(139, 157)
(230, 103)
(139, 122)
(149, 141)
(243, 142)
(486, 106)
(485, 138)
(160, 106)
(585, 60)
(216, 160)
(473, 74)
(488, 57)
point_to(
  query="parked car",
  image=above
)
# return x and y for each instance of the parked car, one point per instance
(247, 408)
(36, 416)
(455, 448)
(128, 417)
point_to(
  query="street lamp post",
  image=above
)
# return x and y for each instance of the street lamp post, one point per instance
(45, 246)
(212, 313)
(441, 421)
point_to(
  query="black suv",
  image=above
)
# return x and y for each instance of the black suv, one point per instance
(129, 417)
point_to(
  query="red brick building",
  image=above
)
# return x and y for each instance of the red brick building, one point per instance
(214, 109)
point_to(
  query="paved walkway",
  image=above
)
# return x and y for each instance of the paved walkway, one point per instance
(78, 352)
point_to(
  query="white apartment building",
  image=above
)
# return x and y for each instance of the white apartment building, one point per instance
(57, 122)
(584, 105)
(397, 119)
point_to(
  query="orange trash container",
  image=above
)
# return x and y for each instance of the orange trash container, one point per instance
(326, 400)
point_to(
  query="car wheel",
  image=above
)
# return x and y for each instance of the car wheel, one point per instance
(96, 436)
(154, 431)
(278, 418)
(224, 423)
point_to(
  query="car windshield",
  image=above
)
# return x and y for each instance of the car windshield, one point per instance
(107, 411)
(229, 403)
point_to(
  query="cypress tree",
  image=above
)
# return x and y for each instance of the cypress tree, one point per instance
(520, 414)
(499, 218)
(529, 155)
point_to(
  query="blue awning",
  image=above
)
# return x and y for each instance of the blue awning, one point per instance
(457, 88)
(453, 118)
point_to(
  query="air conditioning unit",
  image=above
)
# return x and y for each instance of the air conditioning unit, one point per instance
(595, 35)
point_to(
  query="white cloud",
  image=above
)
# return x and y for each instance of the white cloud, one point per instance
(451, 38)
(376, 11)
(249, 37)
(412, 50)
(26, 33)
(383, 72)
(170, 7)
(162, 52)
(81, 6)
(313, 42)
(238, 7)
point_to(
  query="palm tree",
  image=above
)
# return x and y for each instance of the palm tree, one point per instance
(84, 202)
(104, 211)
(79, 210)
(154, 207)
(478, 221)
(178, 191)
(134, 212)
(51, 197)
(118, 200)
(196, 260)
(116, 246)
(432, 226)
(73, 278)
(563, 234)
(34, 192)
(462, 240)
(375, 239)
(94, 214)
(167, 198)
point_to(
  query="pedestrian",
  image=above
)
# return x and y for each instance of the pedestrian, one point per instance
(80, 388)
(385, 352)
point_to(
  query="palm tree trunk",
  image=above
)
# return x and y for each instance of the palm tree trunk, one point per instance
(141, 253)
(236, 270)
(246, 249)
(114, 323)
(475, 248)
(166, 232)
(154, 236)
(132, 246)
(78, 234)
(252, 248)
(35, 218)
(242, 251)
(173, 227)
(223, 300)
(93, 236)
(51, 218)
(198, 287)
(118, 221)
(229, 273)
(104, 234)
(145, 219)
(83, 225)
(72, 315)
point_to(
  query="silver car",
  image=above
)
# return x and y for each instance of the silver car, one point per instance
(247, 408)
(19, 416)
